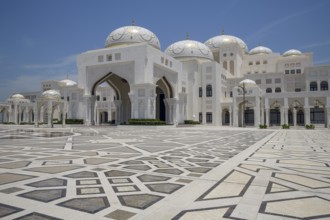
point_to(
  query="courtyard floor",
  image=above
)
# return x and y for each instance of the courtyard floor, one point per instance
(159, 173)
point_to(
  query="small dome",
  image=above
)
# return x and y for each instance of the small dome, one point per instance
(17, 96)
(216, 42)
(68, 82)
(131, 35)
(260, 50)
(51, 94)
(189, 48)
(248, 83)
(292, 52)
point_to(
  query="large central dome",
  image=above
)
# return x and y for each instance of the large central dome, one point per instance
(189, 48)
(130, 35)
(216, 42)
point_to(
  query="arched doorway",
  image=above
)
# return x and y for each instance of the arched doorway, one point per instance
(275, 117)
(249, 117)
(121, 99)
(317, 116)
(163, 91)
(225, 117)
(300, 117)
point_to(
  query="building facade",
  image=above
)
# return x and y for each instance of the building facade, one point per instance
(219, 82)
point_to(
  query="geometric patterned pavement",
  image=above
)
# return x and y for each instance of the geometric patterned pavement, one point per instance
(164, 173)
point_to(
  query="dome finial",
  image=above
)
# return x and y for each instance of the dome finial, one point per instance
(187, 36)
(133, 21)
(222, 31)
(67, 76)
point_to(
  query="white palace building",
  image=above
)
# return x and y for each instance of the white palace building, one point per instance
(219, 82)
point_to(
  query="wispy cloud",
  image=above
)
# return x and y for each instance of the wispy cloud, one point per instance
(313, 45)
(69, 60)
(34, 74)
(266, 29)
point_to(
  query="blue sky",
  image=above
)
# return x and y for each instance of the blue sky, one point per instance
(39, 39)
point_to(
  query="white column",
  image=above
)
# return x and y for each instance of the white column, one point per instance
(267, 115)
(294, 111)
(327, 125)
(307, 113)
(118, 113)
(50, 113)
(230, 116)
(63, 117)
(257, 113)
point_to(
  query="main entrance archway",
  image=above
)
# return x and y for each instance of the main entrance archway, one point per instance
(120, 100)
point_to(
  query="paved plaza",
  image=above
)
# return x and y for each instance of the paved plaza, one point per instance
(184, 173)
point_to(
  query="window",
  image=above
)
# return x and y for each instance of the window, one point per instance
(224, 65)
(278, 90)
(200, 92)
(313, 86)
(265, 62)
(171, 64)
(166, 62)
(268, 90)
(277, 80)
(104, 98)
(100, 58)
(208, 91)
(324, 86)
(286, 65)
(117, 56)
(250, 63)
(287, 71)
(208, 117)
(293, 71)
(231, 94)
(298, 71)
(231, 54)
(268, 81)
(248, 72)
(162, 60)
(292, 64)
(258, 63)
(258, 81)
(109, 57)
(200, 117)
(298, 64)
(97, 98)
(297, 90)
(224, 54)
(68, 98)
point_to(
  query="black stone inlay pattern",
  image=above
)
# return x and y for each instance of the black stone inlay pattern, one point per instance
(199, 169)
(141, 167)
(139, 201)
(263, 207)
(164, 187)
(45, 195)
(89, 205)
(152, 178)
(120, 215)
(169, 171)
(114, 173)
(225, 216)
(37, 216)
(82, 174)
(49, 183)
(6, 210)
